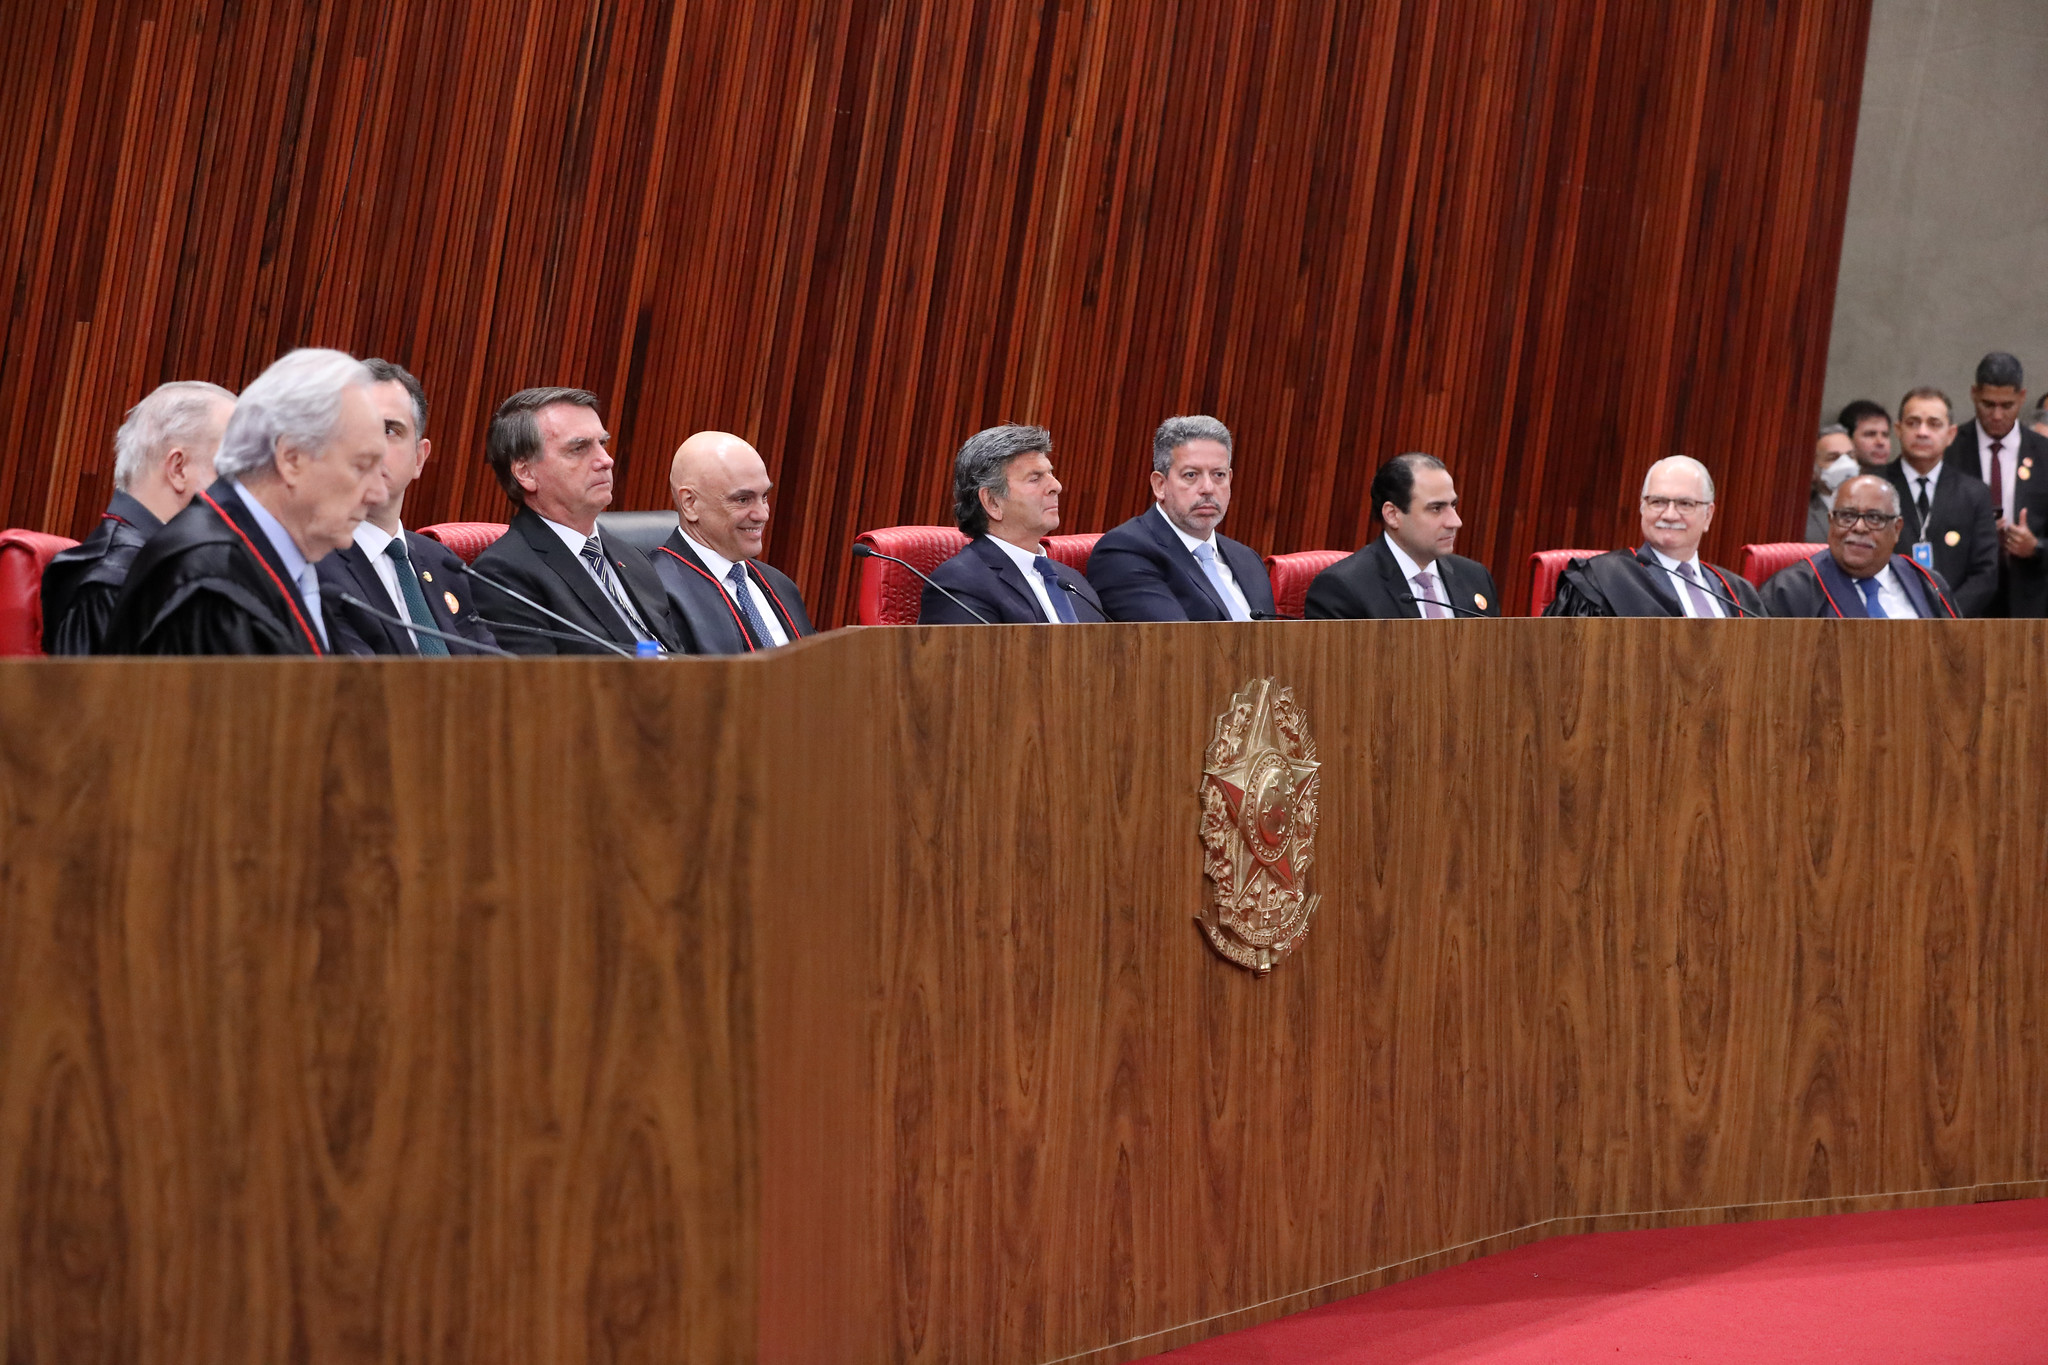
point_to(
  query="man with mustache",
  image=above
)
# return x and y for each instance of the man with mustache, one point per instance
(1409, 572)
(1858, 576)
(1170, 563)
(549, 449)
(1006, 501)
(722, 598)
(1665, 575)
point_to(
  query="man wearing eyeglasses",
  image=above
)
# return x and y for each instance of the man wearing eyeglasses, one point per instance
(1858, 576)
(1664, 576)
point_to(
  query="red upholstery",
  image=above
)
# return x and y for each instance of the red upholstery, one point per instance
(1073, 551)
(889, 594)
(22, 557)
(467, 538)
(1545, 566)
(1759, 562)
(1291, 575)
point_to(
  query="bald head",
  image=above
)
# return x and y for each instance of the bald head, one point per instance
(720, 487)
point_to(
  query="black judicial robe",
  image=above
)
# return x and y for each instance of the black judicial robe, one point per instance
(1368, 586)
(82, 584)
(211, 584)
(702, 607)
(1621, 583)
(1818, 587)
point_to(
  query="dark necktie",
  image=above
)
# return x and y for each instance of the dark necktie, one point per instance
(593, 555)
(1061, 607)
(415, 600)
(1702, 605)
(1868, 587)
(744, 600)
(1998, 475)
(1920, 505)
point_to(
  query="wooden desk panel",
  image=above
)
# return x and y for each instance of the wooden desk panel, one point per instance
(848, 1004)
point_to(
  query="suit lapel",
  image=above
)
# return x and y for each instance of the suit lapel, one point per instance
(1389, 571)
(623, 558)
(1011, 578)
(1661, 585)
(371, 589)
(568, 566)
(708, 607)
(1846, 596)
(1183, 560)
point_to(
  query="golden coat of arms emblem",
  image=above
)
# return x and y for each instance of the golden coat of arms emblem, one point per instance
(1260, 781)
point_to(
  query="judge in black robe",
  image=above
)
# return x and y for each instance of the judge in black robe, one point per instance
(1819, 587)
(1859, 563)
(82, 584)
(1677, 507)
(702, 605)
(721, 597)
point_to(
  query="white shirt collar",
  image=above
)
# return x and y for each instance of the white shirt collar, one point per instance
(571, 537)
(1913, 476)
(371, 540)
(1668, 562)
(1024, 559)
(718, 564)
(1185, 539)
(1409, 568)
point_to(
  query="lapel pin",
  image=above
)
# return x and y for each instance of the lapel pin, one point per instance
(1479, 599)
(426, 575)
(1953, 538)
(454, 604)
(2026, 471)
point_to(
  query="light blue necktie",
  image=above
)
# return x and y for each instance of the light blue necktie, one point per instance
(1868, 587)
(1205, 554)
(1061, 607)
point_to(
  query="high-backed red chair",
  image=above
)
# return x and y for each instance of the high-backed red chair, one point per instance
(1073, 551)
(1545, 566)
(467, 538)
(889, 593)
(1291, 575)
(1759, 562)
(22, 557)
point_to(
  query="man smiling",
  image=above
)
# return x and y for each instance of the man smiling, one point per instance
(1858, 575)
(723, 599)
(1409, 571)
(1665, 576)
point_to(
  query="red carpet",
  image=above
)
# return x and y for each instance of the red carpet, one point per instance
(1966, 1284)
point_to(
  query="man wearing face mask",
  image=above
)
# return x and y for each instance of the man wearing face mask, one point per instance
(1834, 463)
(1409, 572)
(1858, 576)
(1170, 563)
(1665, 575)
(721, 597)
(1949, 526)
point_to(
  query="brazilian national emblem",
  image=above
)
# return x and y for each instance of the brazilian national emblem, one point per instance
(1260, 780)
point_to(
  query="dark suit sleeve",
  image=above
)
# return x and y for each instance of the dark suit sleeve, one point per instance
(1793, 591)
(2027, 590)
(1330, 598)
(84, 627)
(342, 635)
(1747, 595)
(934, 608)
(493, 605)
(1576, 596)
(1132, 586)
(1087, 606)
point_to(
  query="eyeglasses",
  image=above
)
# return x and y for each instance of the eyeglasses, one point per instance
(1849, 519)
(1685, 507)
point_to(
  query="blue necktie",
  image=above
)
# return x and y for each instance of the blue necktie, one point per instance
(1205, 553)
(1868, 587)
(744, 600)
(1061, 607)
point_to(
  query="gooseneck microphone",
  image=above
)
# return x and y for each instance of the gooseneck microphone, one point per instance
(1448, 606)
(517, 596)
(360, 605)
(862, 551)
(1700, 583)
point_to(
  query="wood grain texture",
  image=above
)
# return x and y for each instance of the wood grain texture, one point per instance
(1548, 240)
(848, 1004)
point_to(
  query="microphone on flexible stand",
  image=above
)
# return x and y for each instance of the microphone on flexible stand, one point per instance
(360, 605)
(864, 551)
(581, 633)
(1447, 606)
(1700, 583)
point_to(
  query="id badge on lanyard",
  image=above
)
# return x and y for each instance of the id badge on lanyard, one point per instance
(1923, 554)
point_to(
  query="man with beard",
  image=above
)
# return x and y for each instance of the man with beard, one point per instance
(1409, 572)
(1858, 575)
(1665, 575)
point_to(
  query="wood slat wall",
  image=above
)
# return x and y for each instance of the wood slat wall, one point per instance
(1548, 240)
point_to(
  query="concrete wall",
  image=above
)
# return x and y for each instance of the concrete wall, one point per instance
(1945, 255)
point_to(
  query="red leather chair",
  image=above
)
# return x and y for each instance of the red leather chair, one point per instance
(889, 593)
(1545, 566)
(1291, 575)
(1759, 562)
(22, 557)
(467, 538)
(1073, 551)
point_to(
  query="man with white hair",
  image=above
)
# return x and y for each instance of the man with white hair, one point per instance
(163, 455)
(300, 462)
(1665, 575)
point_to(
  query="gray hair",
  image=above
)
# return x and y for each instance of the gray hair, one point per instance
(1686, 462)
(1176, 432)
(296, 400)
(174, 416)
(1832, 429)
(1891, 491)
(984, 462)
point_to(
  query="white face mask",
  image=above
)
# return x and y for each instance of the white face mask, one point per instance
(1840, 472)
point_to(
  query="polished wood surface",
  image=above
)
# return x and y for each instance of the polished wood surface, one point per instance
(1548, 240)
(848, 1003)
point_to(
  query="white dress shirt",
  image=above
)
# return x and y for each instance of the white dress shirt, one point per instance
(576, 540)
(1023, 559)
(1891, 595)
(2009, 453)
(1914, 479)
(1709, 585)
(1437, 587)
(721, 569)
(372, 541)
(1222, 564)
(296, 567)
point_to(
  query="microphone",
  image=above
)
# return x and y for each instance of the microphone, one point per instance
(1447, 606)
(581, 633)
(861, 551)
(360, 605)
(536, 630)
(1701, 584)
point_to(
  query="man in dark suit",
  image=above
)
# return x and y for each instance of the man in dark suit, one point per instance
(722, 598)
(300, 462)
(163, 456)
(2013, 460)
(1665, 576)
(1948, 518)
(548, 449)
(1169, 563)
(1857, 575)
(398, 572)
(1006, 500)
(1409, 571)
